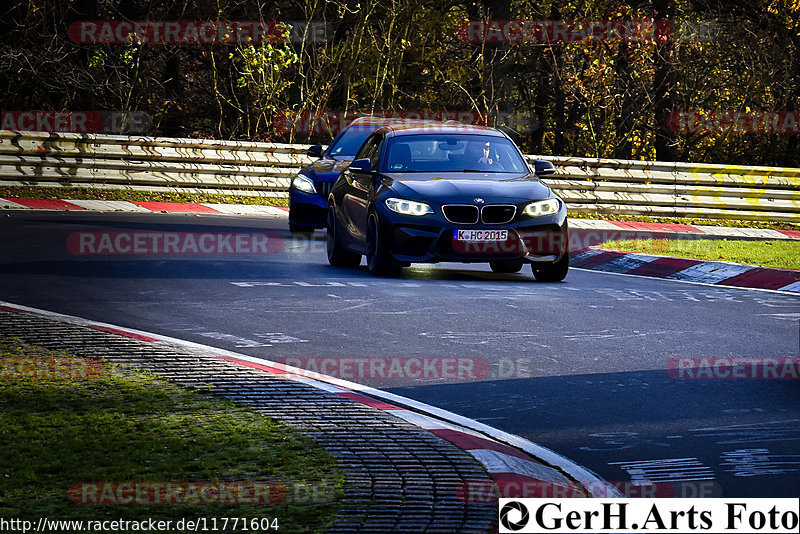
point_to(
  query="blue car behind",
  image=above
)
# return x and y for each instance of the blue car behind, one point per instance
(309, 190)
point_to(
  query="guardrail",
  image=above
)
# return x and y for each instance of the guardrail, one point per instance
(661, 189)
(148, 163)
(588, 185)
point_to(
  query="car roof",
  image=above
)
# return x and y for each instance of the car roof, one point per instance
(372, 119)
(377, 122)
(449, 127)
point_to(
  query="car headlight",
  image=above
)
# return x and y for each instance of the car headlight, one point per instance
(303, 183)
(541, 208)
(408, 207)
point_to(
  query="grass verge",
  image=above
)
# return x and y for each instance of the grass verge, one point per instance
(781, 254)
(87, 193)
(733, 223)
(127, 426)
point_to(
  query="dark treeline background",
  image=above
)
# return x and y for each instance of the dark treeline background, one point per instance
(595, 98)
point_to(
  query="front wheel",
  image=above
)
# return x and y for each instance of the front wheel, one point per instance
(337, 255)
(552, 272)
(379, 259)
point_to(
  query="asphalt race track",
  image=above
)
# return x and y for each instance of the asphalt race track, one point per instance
(579, 366)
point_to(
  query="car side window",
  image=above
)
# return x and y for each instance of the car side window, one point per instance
(377, 157)
(370, 150)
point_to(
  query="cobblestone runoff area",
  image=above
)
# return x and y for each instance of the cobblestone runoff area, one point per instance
(398, 477)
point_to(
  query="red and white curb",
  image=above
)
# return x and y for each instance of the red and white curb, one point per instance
(625, 227)
(141, 207)
(688, 270)
(514, 463)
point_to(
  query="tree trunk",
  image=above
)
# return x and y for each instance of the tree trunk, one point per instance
(664, 83)
(624, 119)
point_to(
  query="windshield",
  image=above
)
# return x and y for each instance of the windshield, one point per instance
(453, 153)
(350, 140)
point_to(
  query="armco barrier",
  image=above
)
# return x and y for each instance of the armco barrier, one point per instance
(119, 162)
(588, 185)
(663, 189)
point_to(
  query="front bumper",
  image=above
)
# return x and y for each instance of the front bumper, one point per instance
(307, 209)
(430, 239)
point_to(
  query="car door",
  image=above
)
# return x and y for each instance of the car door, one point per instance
(360, 189)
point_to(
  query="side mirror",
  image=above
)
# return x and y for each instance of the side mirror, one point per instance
(361, 165)
(542, 167)
(315, 151)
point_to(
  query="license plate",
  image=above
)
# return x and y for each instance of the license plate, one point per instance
(480, 236)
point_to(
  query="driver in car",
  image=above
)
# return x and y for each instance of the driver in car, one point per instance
(486, 159)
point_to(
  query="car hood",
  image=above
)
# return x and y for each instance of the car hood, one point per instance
(327, 168)
(466, 187)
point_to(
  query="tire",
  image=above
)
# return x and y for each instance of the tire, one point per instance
(506, 266)
(300, 231)
(552, 272)
(379, 260)
(337, 255)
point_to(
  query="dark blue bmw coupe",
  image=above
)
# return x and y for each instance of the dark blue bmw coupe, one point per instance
(446, 193)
